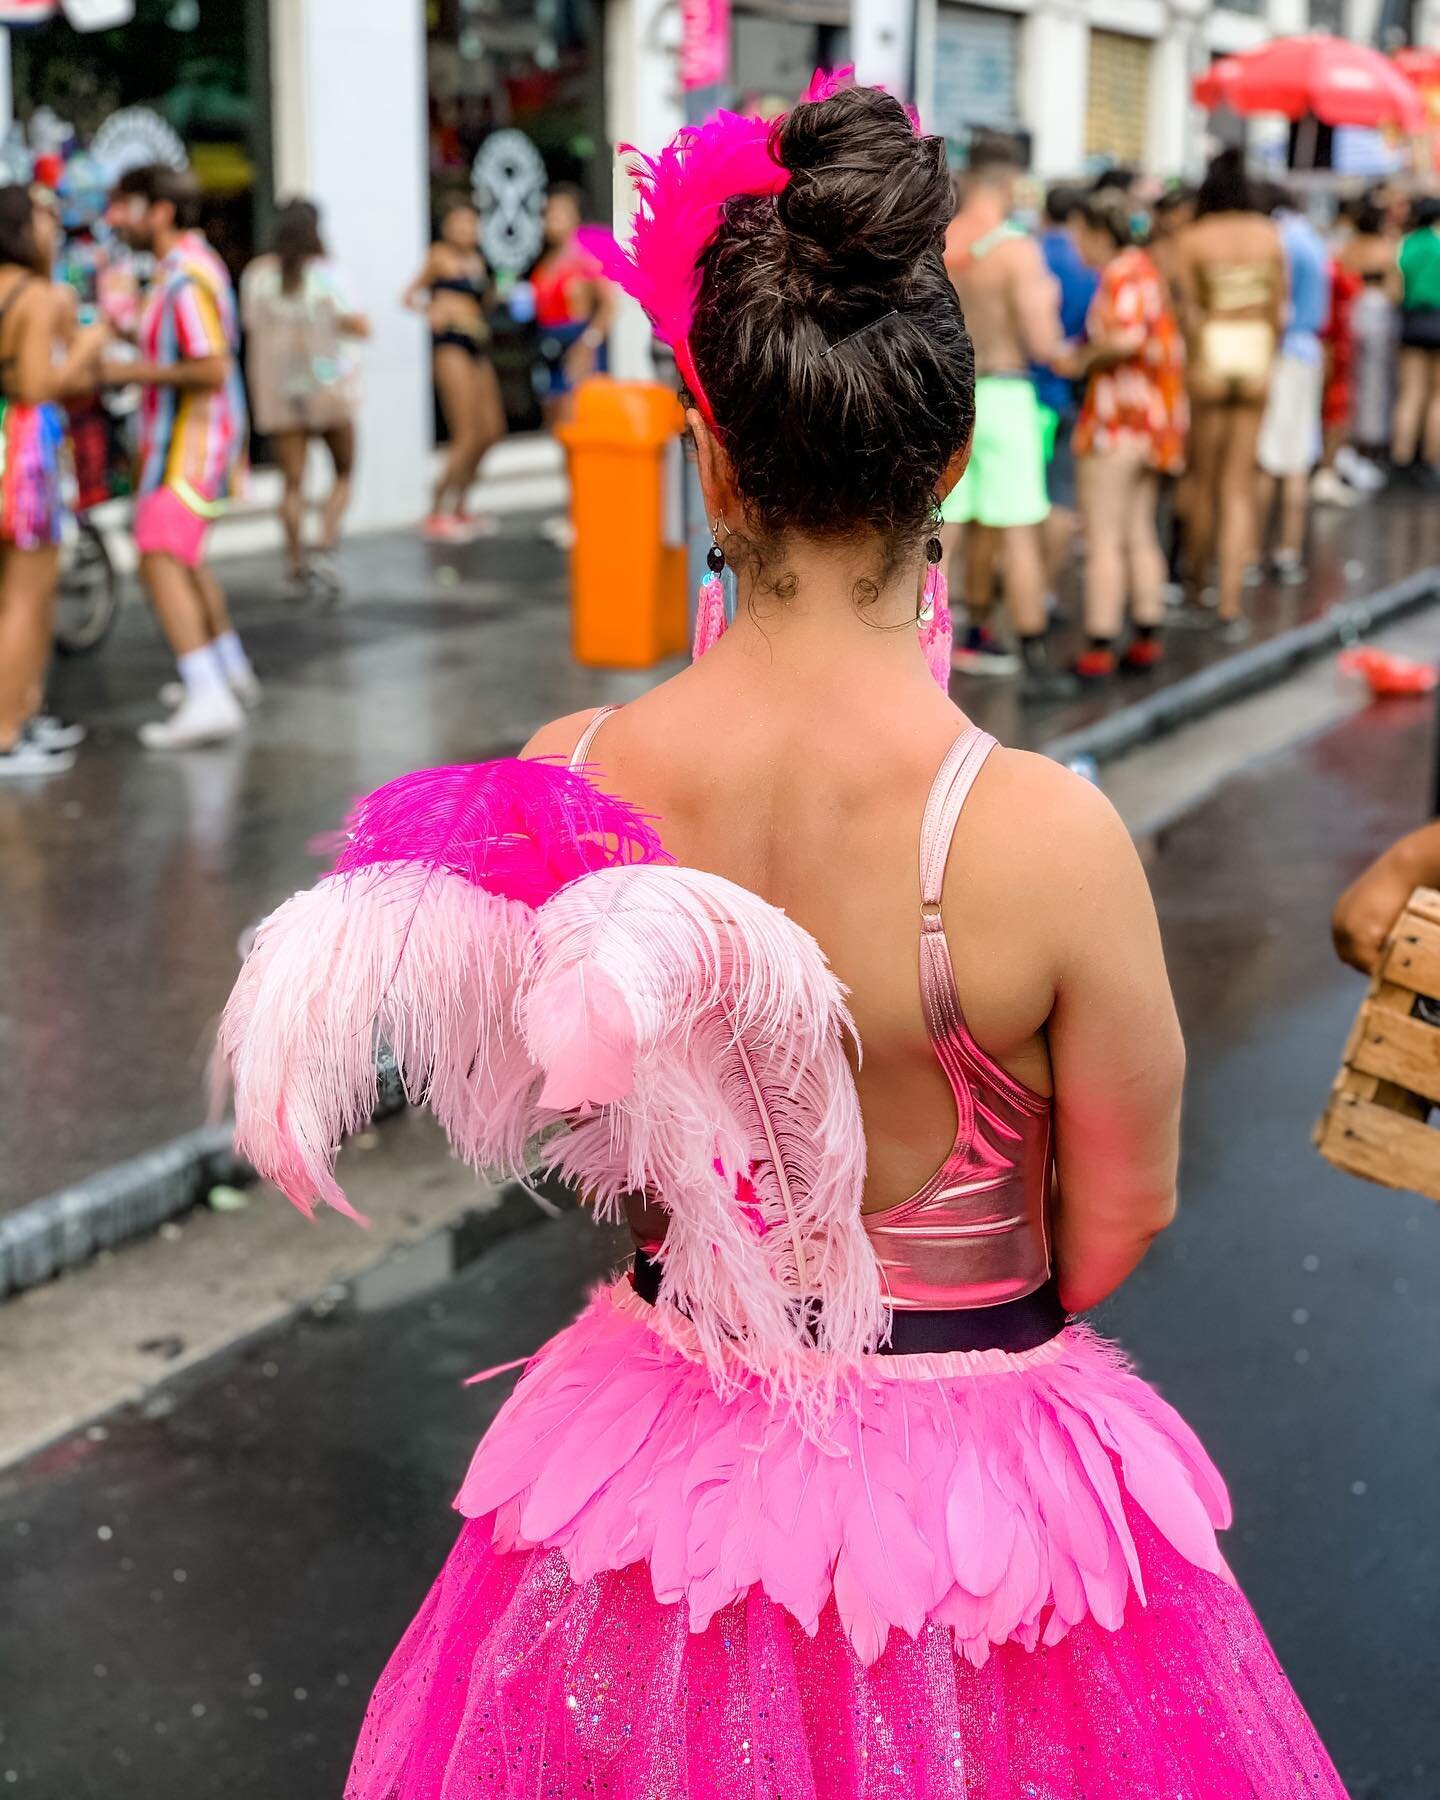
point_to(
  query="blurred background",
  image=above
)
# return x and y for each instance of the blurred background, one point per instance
(228, 1439)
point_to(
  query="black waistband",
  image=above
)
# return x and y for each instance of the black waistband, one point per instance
(1017, 1325)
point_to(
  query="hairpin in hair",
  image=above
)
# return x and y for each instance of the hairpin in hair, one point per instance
(869, 325)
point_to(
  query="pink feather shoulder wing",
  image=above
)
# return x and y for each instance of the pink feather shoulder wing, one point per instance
(418, 938)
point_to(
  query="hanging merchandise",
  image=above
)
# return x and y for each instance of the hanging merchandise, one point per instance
(704, 43)
(134, 136)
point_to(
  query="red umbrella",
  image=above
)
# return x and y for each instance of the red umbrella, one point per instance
(1332, 79)
(1420, 66)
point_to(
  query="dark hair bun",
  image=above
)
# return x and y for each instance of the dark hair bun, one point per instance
(827, 334)
(867, 196)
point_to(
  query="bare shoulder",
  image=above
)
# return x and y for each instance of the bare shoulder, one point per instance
(560, 736)
(1056, 831)
(1023, 256)
(1048, 796)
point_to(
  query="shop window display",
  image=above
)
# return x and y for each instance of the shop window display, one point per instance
(516, 105)
(209, 87)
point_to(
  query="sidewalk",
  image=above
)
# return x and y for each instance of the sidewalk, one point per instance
(125, 885)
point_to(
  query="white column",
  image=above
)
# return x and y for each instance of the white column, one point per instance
(1172, 129)
(1054, 73)
(926, 21)
(643, 107)
(348, 82)
(7, 85)
(882, 41)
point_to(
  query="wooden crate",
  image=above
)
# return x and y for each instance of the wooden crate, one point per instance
(1376, 1122)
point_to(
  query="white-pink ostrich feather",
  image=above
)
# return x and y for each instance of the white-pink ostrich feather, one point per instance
(734, 1030)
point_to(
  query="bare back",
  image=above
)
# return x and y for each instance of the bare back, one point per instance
(1230, 266)
(1005, 293)
(816, 804)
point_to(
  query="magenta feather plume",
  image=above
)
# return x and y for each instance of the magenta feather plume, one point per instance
(521, 830)
(825, 84)
(681, 195)
(680, 201)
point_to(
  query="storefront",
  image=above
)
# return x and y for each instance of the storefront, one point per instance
(775, 48)
(977, 55)
(515, 66)
(159, 88)
(1117, 100)
(515, 103)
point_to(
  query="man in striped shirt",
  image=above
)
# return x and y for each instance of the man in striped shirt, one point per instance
(191, 450)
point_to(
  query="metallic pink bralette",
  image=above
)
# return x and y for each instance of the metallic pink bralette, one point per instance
(976, 1233)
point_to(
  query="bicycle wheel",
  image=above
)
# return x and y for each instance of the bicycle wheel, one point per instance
(88, 601)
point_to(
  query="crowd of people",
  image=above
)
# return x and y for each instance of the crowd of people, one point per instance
(207, 365)
(180, 351)
(1167, 382)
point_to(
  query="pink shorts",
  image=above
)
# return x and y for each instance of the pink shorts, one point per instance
(167, 525)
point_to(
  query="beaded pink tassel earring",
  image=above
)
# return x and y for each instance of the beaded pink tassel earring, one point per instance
(937, 632)
(710, 618)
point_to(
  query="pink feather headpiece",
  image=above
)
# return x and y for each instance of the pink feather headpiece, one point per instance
(681, 199)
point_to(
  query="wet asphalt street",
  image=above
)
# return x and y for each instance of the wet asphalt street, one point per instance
(199, 1593)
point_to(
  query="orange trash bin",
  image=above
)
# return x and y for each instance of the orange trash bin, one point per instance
(627, 568)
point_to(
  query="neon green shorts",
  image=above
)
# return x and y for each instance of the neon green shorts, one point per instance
(1004, 485)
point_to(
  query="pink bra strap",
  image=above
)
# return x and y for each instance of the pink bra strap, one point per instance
(580, 755)
(948, 795)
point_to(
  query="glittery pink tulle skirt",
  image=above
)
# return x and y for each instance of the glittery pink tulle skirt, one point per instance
(513, 1680)
(997, 1580)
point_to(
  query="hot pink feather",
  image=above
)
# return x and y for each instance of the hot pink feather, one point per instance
(681, 195)
(518, 828)
(937, 633)
(923, 1501)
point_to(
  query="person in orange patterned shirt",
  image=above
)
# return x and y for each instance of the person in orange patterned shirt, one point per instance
(1131, 431)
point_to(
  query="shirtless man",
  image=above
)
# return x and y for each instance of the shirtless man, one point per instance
(1011, 305)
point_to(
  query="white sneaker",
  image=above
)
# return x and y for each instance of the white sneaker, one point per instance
(55, 734)
(325, 576)
(1358, 470)
(246, 688)
(1327, 489)
(247, 691)
(26, 758)
(199, 719)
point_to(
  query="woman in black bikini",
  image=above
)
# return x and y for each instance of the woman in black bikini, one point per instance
(450, 290)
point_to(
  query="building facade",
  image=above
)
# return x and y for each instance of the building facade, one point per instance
(1091, 83)
(380, 109)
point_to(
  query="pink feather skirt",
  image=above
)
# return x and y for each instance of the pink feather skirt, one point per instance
(995, 1576)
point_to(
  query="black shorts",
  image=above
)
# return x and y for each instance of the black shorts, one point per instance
(473, 347)
(1420, 328)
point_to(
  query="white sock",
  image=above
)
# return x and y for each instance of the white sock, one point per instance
(202, 672)
(231, 652)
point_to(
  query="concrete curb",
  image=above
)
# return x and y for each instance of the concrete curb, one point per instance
(1260, 666)
(46, 1236)
(63, 1230)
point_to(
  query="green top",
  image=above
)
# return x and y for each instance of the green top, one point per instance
(1420, 269)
